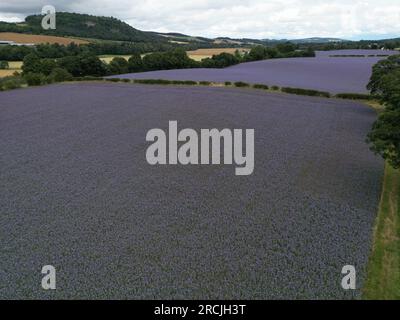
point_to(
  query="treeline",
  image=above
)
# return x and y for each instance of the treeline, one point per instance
(15, 53)
(390, 44)
(178, 59)
(83, 60)
(385, 134)
(54, 63)
(283, 50)
(87, 64)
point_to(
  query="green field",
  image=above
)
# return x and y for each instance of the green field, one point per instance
(383, 280)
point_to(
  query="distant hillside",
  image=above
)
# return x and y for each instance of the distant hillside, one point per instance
(247, 41)
(180, 37)
(84, 26)
(111, 29)
(317, 40)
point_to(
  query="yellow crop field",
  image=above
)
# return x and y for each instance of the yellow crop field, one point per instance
(6, 73)
(13, 66)
(201, 54)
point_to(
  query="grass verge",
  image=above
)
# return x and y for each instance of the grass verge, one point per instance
(383, 278)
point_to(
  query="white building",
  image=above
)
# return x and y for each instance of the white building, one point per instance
(13, 43)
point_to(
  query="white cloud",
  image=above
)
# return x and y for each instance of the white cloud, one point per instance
(10, 17)
(234, 18)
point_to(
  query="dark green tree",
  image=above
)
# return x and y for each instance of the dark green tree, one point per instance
(135, 63)
(385, 134)
(118, 65)
(46, 66)
(59, 75)
(31, 63)
(286, 47)
(83, 65)
(221, 60)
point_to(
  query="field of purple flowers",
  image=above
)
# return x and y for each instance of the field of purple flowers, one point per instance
(323, 73)
(76, 192)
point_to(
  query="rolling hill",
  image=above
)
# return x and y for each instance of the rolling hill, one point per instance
(84, 26)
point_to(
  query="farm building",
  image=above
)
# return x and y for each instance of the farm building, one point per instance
(13, 43)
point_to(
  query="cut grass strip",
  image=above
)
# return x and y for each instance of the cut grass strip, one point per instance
(383, 278)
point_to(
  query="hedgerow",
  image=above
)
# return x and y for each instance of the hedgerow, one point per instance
(205, 83)
(11, 82)
(354, 96)
(306, 92)
(260, 86)
(241, 84)
(152, 81)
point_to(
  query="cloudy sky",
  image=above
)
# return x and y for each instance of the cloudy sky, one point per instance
(351, 19)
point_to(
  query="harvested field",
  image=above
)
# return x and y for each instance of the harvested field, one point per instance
(33, 38)
(76, 192)
(6, 72)
(13, 66)
(201, 54)
(334, 75)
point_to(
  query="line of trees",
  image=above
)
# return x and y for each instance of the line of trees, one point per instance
(81, 61)
(55, 63)
(385, 134)
(178, 59)
(77, 66)
(87, 64)
(389, 44)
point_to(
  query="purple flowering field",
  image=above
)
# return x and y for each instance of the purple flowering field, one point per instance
(324, 73)
(77, 192)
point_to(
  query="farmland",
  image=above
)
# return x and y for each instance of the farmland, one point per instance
(201, 54)
(322, 73)
(197, 55)
(13, 66)
(6, 73)
(77, 191)
(36, 39)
